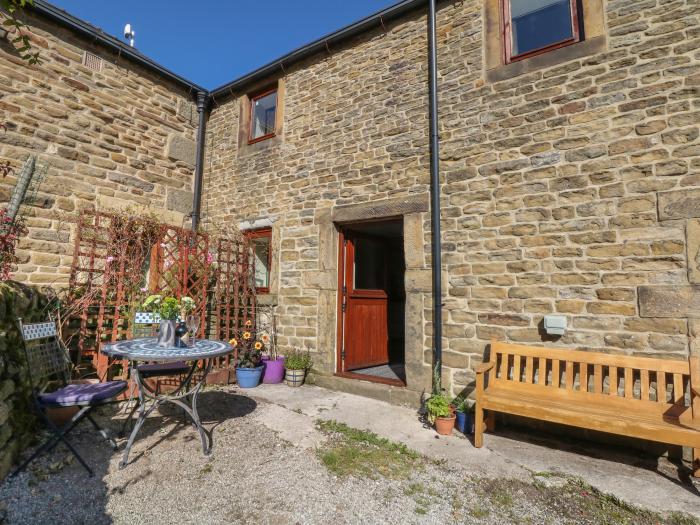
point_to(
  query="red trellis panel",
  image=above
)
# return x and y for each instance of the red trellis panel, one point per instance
(110, 277)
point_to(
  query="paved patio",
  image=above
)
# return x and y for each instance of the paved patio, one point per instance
(265, 468)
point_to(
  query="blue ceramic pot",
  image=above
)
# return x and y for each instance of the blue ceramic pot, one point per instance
(465, 422)
(461, 422)
(248, 377)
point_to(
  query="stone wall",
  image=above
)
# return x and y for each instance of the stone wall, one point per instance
(17, 417)
(570, 188)
(113, 137)
(570, 185)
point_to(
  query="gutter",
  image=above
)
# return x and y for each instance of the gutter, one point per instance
(436, 240)
(65, 19)
(323, 44)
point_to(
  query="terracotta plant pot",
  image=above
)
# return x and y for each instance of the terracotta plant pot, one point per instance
(444, 425)
(295, 377)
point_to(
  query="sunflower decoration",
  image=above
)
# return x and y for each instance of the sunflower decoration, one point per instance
(248, 323)
(247, 335)
(265, 338)
(258, 345)
(233, 342)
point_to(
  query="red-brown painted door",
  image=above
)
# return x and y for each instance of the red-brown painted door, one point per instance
(365, 302)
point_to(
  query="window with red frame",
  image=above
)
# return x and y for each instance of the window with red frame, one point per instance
(261, 246)
(263, 115)
(532, 27)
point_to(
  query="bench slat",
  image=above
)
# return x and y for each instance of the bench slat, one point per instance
(583, 377)
(556, 373)
(542, 371)
(504, 367)
(598, 379)
(629, 383)
(516, 368)
(614, 384)
(661, 387)
(644, 386)
(665, 365)
(569, 375)
(678, 392)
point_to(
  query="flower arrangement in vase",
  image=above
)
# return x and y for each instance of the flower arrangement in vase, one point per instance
(169, 308)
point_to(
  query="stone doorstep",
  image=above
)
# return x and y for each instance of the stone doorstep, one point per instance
(394, 395)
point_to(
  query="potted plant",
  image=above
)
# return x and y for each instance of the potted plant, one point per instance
(249, 358)
(169, 309)
(465, 417)
(297, 363)
(273, 372)
(440, 414)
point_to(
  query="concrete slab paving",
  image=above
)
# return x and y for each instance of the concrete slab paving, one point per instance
(506, 454)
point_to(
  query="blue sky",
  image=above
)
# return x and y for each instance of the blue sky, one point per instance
(213, 42)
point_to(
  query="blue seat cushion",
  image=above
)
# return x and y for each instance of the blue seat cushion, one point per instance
(163, 369)
(83, 395)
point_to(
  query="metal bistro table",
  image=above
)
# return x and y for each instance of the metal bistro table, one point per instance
(185, 396)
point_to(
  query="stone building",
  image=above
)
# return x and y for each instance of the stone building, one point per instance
(570, 180)
(112, 129)
(569, 186)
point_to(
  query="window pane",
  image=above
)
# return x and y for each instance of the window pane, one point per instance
(369, 264)
(539, 23)
(264, 115)
(261, 256)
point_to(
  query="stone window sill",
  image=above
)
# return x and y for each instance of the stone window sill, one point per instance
(552, 58)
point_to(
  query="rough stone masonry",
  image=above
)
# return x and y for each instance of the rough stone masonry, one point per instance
(570, 181)
(113, 136)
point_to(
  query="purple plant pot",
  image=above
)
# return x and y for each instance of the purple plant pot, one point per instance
(273, 371)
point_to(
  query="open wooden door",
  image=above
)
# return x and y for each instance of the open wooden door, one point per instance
(364, 307)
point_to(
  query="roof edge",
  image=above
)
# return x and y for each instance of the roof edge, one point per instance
(375, 20)
(45, 9)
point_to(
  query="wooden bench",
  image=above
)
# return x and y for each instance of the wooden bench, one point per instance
(609, 393)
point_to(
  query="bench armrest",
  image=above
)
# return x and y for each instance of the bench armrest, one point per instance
(484, 367)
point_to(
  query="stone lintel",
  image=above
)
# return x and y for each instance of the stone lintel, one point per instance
(395, 207)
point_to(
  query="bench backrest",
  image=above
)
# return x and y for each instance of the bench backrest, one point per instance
(659, 384)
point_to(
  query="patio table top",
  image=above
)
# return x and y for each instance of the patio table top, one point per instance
(147, 349)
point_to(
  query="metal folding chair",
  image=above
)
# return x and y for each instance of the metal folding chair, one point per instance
(146, 325)
(48, 360)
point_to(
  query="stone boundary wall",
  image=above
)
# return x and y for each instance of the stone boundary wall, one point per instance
(17, 416)
(116, 136)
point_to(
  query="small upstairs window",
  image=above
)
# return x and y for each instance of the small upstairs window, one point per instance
(532, 27)
(263, 116)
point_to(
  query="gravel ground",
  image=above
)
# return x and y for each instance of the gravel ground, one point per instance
(254, 476)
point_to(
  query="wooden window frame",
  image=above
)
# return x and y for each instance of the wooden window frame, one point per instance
(507, 33)
(257, 234)
(265, 93)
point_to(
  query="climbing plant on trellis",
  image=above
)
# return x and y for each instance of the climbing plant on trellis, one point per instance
(120, 258)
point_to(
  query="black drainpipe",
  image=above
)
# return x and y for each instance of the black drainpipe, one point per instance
(436, 248)
(199, 159)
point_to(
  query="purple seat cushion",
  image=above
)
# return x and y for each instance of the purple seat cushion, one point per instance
(163, 369)
(90, 394)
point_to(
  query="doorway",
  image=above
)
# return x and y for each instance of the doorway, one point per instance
(372, 302)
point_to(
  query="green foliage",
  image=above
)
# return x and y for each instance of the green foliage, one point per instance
(169, 307)
(12, 8)
(249, 358)
(437, 406)
(298, 360)
(354, 452)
